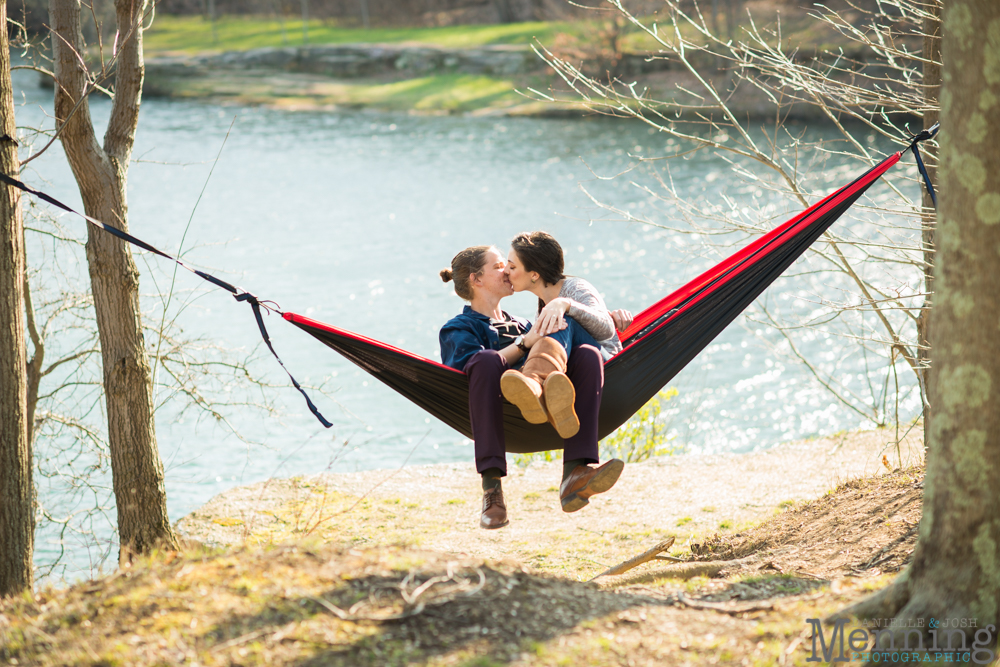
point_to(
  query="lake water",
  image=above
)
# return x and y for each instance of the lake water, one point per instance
(347, 218)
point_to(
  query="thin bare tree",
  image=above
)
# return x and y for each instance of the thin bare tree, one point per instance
(101, 173)
(17, 511)
(955, 572)
(199, 382)
(883, 270)
(931, 115)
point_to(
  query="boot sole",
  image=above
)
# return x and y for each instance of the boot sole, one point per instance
(494, 527)
(602, 481)
(515, 388)
(559, 399)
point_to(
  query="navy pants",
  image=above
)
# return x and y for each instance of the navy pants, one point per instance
(585, 369)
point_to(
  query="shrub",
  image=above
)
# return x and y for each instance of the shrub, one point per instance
(644, 435)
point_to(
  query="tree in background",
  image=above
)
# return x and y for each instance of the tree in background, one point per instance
(101, 173)
(17, 510)
(955, 572)
(74, 501)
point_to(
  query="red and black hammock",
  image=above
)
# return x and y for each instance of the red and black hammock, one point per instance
(661, 341)
(659, 344)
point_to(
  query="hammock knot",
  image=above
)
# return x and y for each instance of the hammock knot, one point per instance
(268, 305)
(924, 135)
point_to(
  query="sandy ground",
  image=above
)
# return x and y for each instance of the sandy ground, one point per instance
(389, 568)
(437, 506)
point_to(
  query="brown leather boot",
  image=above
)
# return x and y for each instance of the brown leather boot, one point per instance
(542, 390)
(494, 510)
(559, 396)
(524, 388)
(584, 481)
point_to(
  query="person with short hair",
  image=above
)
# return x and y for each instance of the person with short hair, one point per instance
(561, 357)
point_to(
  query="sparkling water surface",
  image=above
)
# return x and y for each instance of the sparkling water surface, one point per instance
(348, 217)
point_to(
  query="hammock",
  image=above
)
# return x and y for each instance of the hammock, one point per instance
(660, 342)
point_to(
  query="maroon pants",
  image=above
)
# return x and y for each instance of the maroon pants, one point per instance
(586, 370)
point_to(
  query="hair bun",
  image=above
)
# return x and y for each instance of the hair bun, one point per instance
(446, 275)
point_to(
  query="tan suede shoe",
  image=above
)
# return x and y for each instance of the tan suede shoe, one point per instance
(494, 510)
(559, 396)
(526, 394)
(585, 481)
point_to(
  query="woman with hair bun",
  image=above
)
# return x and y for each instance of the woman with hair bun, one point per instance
(560, 357)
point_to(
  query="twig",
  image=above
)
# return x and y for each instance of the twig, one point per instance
(180, 253)
(644, 557)
(345, 616)
(242, 639)
(872, 562)
(724, 607)
(685, 570)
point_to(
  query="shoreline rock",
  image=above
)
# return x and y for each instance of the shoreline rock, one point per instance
(349, 61)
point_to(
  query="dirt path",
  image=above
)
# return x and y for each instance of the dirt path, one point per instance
(350, 586)
(437, 507)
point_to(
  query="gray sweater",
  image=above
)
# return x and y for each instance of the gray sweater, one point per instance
(589, 311)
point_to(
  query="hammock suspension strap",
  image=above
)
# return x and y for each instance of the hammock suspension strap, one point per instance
(238, 293)
(915, 147)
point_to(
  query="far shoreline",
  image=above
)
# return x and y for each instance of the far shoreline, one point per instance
(493, 80)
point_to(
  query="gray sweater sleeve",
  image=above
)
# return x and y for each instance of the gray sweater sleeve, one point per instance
(588, 308)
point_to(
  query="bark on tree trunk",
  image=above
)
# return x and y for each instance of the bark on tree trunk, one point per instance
(34, 365)
(17, 510)
(955, 571)
(504, 12)
(305, 21)
(101, 172)
(932, 83)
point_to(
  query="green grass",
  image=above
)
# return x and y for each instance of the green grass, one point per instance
(442, 93)
(450, 92)
(194, 34)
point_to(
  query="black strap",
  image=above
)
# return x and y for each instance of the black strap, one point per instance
(238, 293)
(923, 136)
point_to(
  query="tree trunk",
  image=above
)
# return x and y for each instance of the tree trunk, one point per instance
(17, 511)
(932, 87)
(955, 571)
(504, 12)
(136, 468)
(365, 20)
(305, 21)
(211, 17)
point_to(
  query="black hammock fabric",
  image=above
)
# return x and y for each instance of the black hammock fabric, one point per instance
(661, 341)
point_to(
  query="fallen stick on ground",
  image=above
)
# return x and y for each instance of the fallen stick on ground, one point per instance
(644, 557)
(687, 570)
(726, 607)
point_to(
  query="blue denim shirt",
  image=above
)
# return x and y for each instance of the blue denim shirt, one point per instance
(470, 332)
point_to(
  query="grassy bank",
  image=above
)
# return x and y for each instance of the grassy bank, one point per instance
(187, 34)
(441, 93)
(445, 90)
(194, 34)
